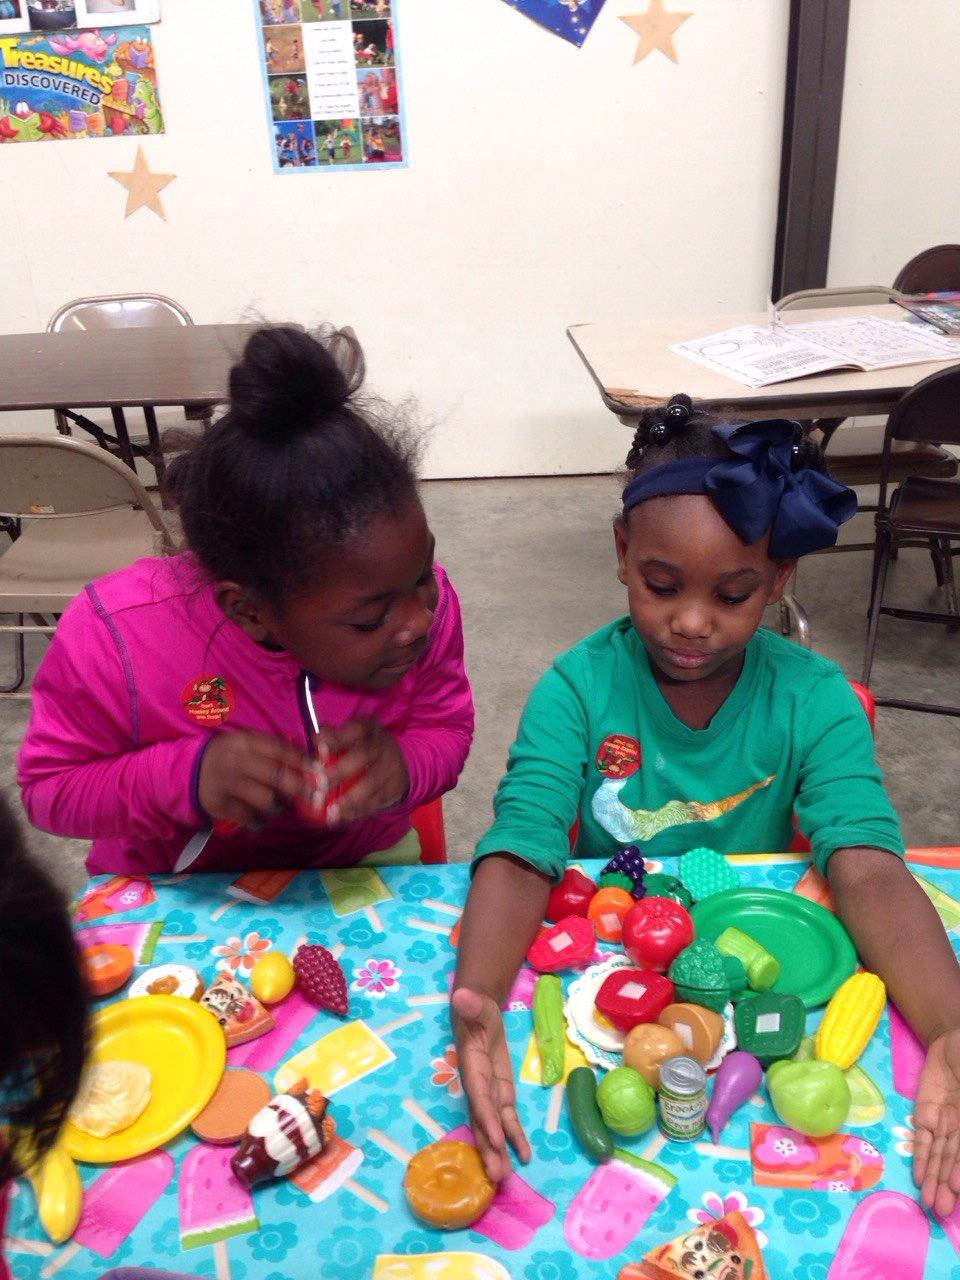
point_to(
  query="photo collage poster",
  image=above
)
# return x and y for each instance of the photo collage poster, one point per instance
(332, 78)
(61, 85)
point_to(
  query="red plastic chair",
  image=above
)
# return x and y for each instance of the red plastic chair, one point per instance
(427, 821)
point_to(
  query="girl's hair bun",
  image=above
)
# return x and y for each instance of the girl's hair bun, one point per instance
(289, 381)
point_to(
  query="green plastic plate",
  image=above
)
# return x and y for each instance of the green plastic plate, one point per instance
(814, 950)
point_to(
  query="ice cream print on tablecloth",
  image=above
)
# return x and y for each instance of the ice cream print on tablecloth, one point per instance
(606, 1187)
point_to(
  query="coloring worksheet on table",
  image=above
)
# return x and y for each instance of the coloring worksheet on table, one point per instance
(332, 76)
(828, 1208)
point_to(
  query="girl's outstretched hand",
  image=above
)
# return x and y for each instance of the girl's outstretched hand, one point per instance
(245, 777)
(365, 750)
(487, 1074)
(936, 1118)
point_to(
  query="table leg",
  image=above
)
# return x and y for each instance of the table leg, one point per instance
(156, 447)
(123, 437)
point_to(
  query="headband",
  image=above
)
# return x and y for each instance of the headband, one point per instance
(768, 483)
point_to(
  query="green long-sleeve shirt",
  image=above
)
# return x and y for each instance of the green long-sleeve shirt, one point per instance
(598, 741)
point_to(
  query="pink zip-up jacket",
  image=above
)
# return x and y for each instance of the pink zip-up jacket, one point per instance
(118, 726)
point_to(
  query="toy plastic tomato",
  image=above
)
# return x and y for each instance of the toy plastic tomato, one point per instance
(655, 931)
(572, 896)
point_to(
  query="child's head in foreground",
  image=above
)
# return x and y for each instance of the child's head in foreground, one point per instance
(43, 1003)
(301, 504)
(715, 516)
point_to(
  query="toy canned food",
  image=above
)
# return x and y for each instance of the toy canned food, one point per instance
(682, 1100)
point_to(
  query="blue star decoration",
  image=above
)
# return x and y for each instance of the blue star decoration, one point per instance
(571, 19)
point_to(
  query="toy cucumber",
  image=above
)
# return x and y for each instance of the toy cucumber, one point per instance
(763, 969)
(588, 1124)
(549, 1027)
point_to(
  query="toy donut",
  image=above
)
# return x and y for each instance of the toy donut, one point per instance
(447, 1185)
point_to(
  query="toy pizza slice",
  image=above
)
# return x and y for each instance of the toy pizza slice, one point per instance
(726, 1249)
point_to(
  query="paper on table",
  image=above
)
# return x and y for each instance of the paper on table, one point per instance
(758, 355)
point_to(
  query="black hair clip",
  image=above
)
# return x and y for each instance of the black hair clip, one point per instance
(806, 455)
(676, 416)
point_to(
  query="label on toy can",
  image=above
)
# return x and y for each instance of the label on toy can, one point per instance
(682, 1099)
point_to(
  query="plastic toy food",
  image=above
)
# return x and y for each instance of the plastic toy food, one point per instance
(626, 1102)
(588, 1123)
(661, 885)
(763, 969)
(614, 1203)
(447, 1185)
(550, 1027)
(726, 1248)
(607, 910)
(241, 1015)
(517, 1212)
(572, 896)
(291, 1018)
(852, 1017)
(631, 996)
(700, 1030)
(811, 1097)
(272, 978)
(112, 1095)
(283, 1135)
(239, 1096)
(321, 978)
(566, 945)
(705, 872)
(770, 1025)
(868, 1106)
(841, 1162)
(106, 967)
(888, 1235)
(655, 931)
(703, 976)
(168, 980)
(738, 1078)
(625, 870)
(213, 1205)
(648, 1046)
(59, 1192)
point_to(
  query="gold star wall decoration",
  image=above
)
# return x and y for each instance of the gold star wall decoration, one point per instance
(655, 29)
(143, 187)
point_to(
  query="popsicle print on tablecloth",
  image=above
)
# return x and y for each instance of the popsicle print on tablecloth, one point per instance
(257, 887)
(353, 889)
(214, 1206)
(114, 1204)
(344, 1055)
(141, 936)
(118, 894)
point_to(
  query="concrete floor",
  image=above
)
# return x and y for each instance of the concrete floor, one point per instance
(533, 562)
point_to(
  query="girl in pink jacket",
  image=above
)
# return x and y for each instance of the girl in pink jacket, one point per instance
(182, 694)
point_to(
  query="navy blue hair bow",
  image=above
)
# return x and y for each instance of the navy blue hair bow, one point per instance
(766, 484)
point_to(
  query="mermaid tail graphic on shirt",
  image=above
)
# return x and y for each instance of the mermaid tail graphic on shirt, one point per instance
(627, 825)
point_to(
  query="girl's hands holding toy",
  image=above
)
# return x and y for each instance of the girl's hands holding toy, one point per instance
(245, 777)
(936, 1168)
(487, 1073)
(365, 759)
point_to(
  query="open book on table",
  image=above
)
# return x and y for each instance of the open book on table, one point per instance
(758, 355)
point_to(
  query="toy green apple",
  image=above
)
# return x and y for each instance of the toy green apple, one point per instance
(811, 1097)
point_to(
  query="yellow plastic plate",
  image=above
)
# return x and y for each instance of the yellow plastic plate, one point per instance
(183, 1047)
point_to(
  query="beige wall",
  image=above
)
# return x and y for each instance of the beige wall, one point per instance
(547, 186)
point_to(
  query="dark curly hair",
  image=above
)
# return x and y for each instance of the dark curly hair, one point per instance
(297, 466)
(43, 1003)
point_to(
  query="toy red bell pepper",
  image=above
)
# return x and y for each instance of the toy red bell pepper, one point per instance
(655, 931)
(571, 897)
(566, 945)
(631, 996)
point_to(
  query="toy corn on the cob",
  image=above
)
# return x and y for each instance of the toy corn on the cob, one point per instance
(851, 1019)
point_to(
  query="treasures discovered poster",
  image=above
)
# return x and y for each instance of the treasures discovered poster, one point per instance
(78, 84)
(333, 83)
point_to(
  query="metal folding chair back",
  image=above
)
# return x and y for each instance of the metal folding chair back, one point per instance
(119, 311)
(918, 508)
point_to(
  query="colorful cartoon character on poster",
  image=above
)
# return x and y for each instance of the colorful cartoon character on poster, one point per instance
(148, 105)
(91, 44)
(26, 125)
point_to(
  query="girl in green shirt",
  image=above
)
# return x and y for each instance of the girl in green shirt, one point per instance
(685, 724)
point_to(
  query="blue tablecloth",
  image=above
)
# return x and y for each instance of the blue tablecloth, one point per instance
(399, 961)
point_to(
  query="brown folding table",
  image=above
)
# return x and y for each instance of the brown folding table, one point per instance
(119, 369)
